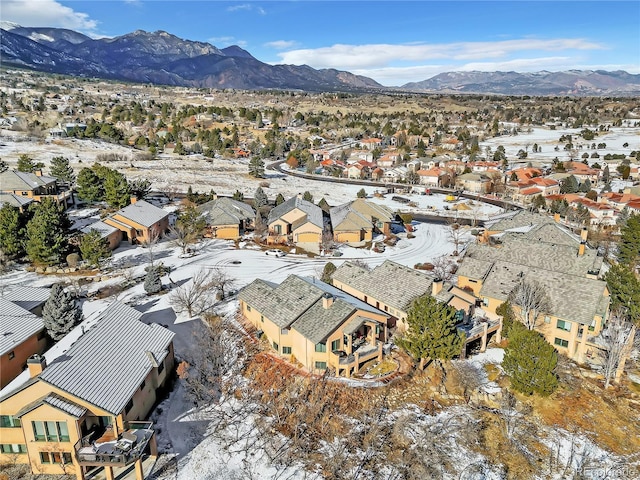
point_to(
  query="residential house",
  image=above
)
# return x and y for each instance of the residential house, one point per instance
(359, 170)
(139, 222)
(395, 174)
(431, 177)
(22, 334)
(32, 186)
(110, 234)
(532, 248)
(474, 182)
(316, 324)
(355, 222)
(370, 143)
(83, 408)
(227, 218)
(377, 174)
(296, 221)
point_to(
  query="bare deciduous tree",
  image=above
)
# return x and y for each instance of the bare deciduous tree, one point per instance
(443, 267)
(532, 300)
(197, 296)
(183, 236)
(616, 340)
(221, 280)
(455, 233)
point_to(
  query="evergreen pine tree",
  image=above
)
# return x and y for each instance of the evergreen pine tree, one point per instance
(152, 281)
(60, 313)
(625, 291)
(362, 193)
(629, 249)
(260, 198)
(431, 331)
(279, 199)
(327, 272)
(47, 233)
(116, 190)
(307, 196)
(25, 164)
(324, 205)
(238, 195)
(3, 166)
(11, 231)
(61, 170)
(530, 361)
(94, 248)
(89, 186)
(256, 167)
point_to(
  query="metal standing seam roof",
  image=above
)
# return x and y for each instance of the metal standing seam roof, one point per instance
(26, 297)
(104, 229)
(58, 402)
(108, 363)
(143, 213)
(16, 325)
(14, 180)
(390, 283)
(14, 200)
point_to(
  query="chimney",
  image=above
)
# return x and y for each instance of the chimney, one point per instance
(581, 248)
(556, 217)
(436, 286)
(38, 173)
(584, 233)
(327, 300)
(133, 200)
(36, 364)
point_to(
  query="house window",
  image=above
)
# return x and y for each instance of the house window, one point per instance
(12, 355)
(138, 233)
(286, 350)
(248, 308)
(276, 347)
(277, 229)
(129, 406)
(55, 457)
(262, 318)
(7, 421)
(161, 367)
(142, 385)
(50, 431)
(284, 331)
(13, 448)
(561, 342)
(562, 325)
(335, 345)
(321, 347)
(485, 302)
(321, 365)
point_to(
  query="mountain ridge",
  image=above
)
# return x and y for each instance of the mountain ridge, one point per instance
(163, 58)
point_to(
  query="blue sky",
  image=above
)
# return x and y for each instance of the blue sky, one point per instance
(393, 42)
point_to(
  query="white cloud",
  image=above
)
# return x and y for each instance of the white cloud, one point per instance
(222, 42)
(281, 44)
(247, 7)
(47, 13)
(343, 56)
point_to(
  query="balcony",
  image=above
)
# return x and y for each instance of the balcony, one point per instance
(124, 450)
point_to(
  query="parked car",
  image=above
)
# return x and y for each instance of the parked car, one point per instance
(276, 252)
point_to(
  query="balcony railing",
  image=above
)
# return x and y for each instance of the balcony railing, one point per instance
(361, 354)
(126, 449)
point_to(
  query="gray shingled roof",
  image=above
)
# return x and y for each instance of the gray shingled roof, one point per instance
(354, 324)
(317, 323)
(313, 212)
(389, 283)
(283, 303)
(108, 363)
(572, 297)
(14, 200)
(104, 229)
(143, 213)
(16, 325)
(523, 251)
(474, 268)
(226, 211)
(344, 218)
(12, 180)
(26, 297)
(521, 219)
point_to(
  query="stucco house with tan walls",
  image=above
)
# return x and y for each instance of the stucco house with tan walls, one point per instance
(111, 235)
(312, 323)
(296, 221)
(33, 186)
(227, 218)
(83, 405)
(355, 222)
(139, 222)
